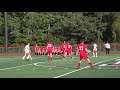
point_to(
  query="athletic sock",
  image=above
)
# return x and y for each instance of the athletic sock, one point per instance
(48, 57)
(90, 64)
(78, 65)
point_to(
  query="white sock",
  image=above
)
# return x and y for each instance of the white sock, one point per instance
(23, 57)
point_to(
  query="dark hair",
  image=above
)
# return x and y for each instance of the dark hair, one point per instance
(81, 40)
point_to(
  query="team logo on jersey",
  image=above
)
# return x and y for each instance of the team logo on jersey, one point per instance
(114, 64)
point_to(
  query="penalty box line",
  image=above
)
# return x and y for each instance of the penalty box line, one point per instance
(83, 68)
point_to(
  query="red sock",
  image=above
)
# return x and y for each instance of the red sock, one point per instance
(90, 64)
(78, 65)
(61, 55)
(50, 58)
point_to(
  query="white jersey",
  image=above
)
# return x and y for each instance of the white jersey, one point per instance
(27, 49)
(107, 45)
(95, 47)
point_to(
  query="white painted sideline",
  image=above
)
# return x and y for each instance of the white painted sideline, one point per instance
(84, 68)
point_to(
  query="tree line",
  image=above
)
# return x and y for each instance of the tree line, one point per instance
(39, 27)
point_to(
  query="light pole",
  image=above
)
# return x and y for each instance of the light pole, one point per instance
(6, 32)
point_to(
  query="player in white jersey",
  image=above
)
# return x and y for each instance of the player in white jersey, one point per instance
(107, 46)
(27, 52)
(94, 49)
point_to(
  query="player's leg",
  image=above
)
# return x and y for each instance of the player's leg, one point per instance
(48, 56)
(24, 56)
(90, 63)
(79, 63)
(29, 56)
(93, 53)
(85, 56)
(70, 54)
(64, 56)
(51, 56)
(108, 51)
(96, 53)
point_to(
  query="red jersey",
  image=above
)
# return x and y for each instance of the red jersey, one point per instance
(69, 47)
(49, 46)
(63, 46)
(36, 48)
(82, 48)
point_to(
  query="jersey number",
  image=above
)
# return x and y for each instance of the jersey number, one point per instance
(81, 47)
(69, 46)
(49, 45)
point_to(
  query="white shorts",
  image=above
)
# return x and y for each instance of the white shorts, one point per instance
(94, 49)
(27, 51)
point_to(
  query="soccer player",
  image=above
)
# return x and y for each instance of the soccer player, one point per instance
(107, 46)
(49, 48)
(68, 50)
(83, 49)
(63, 46)
(94, 49)
(36, 49)
(44, 51)
(27, 52)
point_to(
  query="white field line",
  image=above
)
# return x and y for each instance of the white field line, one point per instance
(16, 67)
(84, 68)
(26, 65)
(33, 64)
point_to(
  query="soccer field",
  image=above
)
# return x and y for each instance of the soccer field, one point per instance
(40, 67)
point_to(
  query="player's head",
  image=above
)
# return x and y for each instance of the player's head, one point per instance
(82, 41)
(28, 43)
(64, 42)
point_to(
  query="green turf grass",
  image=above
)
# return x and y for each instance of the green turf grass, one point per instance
(14, 67)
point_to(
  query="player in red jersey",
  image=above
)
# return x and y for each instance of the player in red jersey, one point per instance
(68, 50)
(63, 46)
(49, 48)
(44, 51)
(62, 49)
(36, 49)
(83, 49)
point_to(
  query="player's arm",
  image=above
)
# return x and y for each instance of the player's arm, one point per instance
(78, 48)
